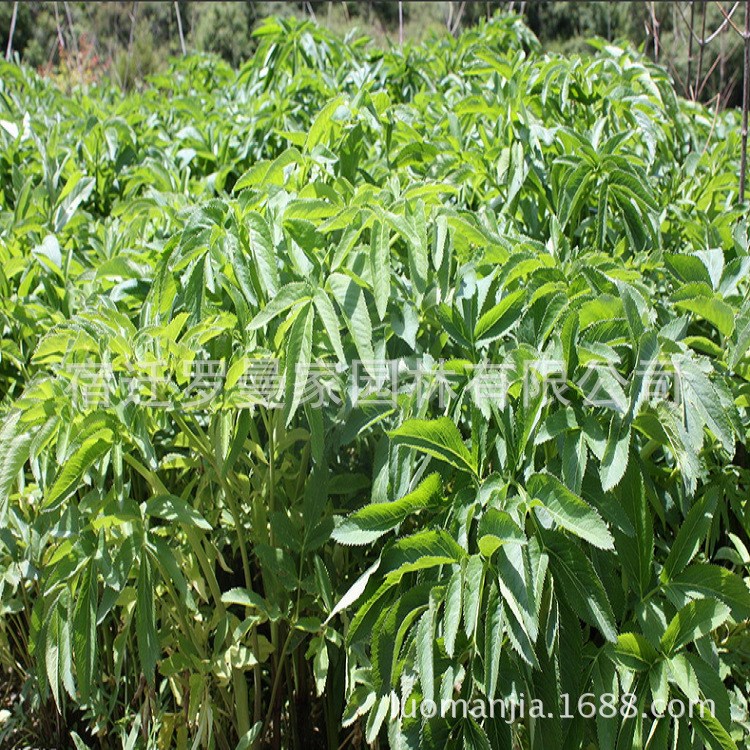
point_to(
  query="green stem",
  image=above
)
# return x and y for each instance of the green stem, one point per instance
(242, 710)
(276, 683)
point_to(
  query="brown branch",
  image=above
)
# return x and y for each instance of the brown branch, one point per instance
(729, 20)
(724, 23)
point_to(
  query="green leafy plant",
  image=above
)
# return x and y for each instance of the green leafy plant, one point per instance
(355, 380)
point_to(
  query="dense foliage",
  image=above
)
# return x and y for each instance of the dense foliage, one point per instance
(184, 566)
(126, 41)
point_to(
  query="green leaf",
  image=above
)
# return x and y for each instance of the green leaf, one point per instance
(424, 656)
(577, 581)
(493, 642)
(496, 527)
(352, 303)
(700, 393)
(634, 652)
(261, 245)
(327, 314)
(681, 673)
(380, 266)
(517, 590)
(636, 552)
(323, 124)
(713, 582)
(251, 599)
(452, 612)
(712, 731)
(84, 629)
(173, 508)
(16, 443)
(439, 438)
(248, 739)
(472, 593)
(690, 535)
(52, 653)
(615, 458)
(569, 511)
(355, 591)
(605, 680)
(76, 465)
(715, 311)
(694, 620)
(688, 268)
(298, 358)
(371, 522)
(475, 738)
(500, 319)
(288, 296)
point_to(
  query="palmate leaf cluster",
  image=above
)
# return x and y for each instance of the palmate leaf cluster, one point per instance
(182, 576)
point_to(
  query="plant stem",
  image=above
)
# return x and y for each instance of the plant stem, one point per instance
(688, 92)
(745, 101)
(9, 49)
(276, 683)
(179, 27)
(702, 45)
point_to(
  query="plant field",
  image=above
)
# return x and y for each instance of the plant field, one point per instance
(354, 384)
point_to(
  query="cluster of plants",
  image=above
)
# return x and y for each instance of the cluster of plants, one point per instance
(224, 573)
(696, 41)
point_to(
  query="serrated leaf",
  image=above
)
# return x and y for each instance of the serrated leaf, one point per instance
(690, 535)
(327, 313)
(76, 465)
(84, 630)
(439, 438)
(569, 510)
(261, 246)
(298, 358)
(173, 508)
(615, 458)
(424, 656)
(380, 266)
(694, 620)
(289, 295)
(351, 301)
(497, 527)
(500, 319)
(713, 582)
(577, 581)
(634, 652)
(715, 311)
(452, 610)
(16, 443)
(371, 522)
